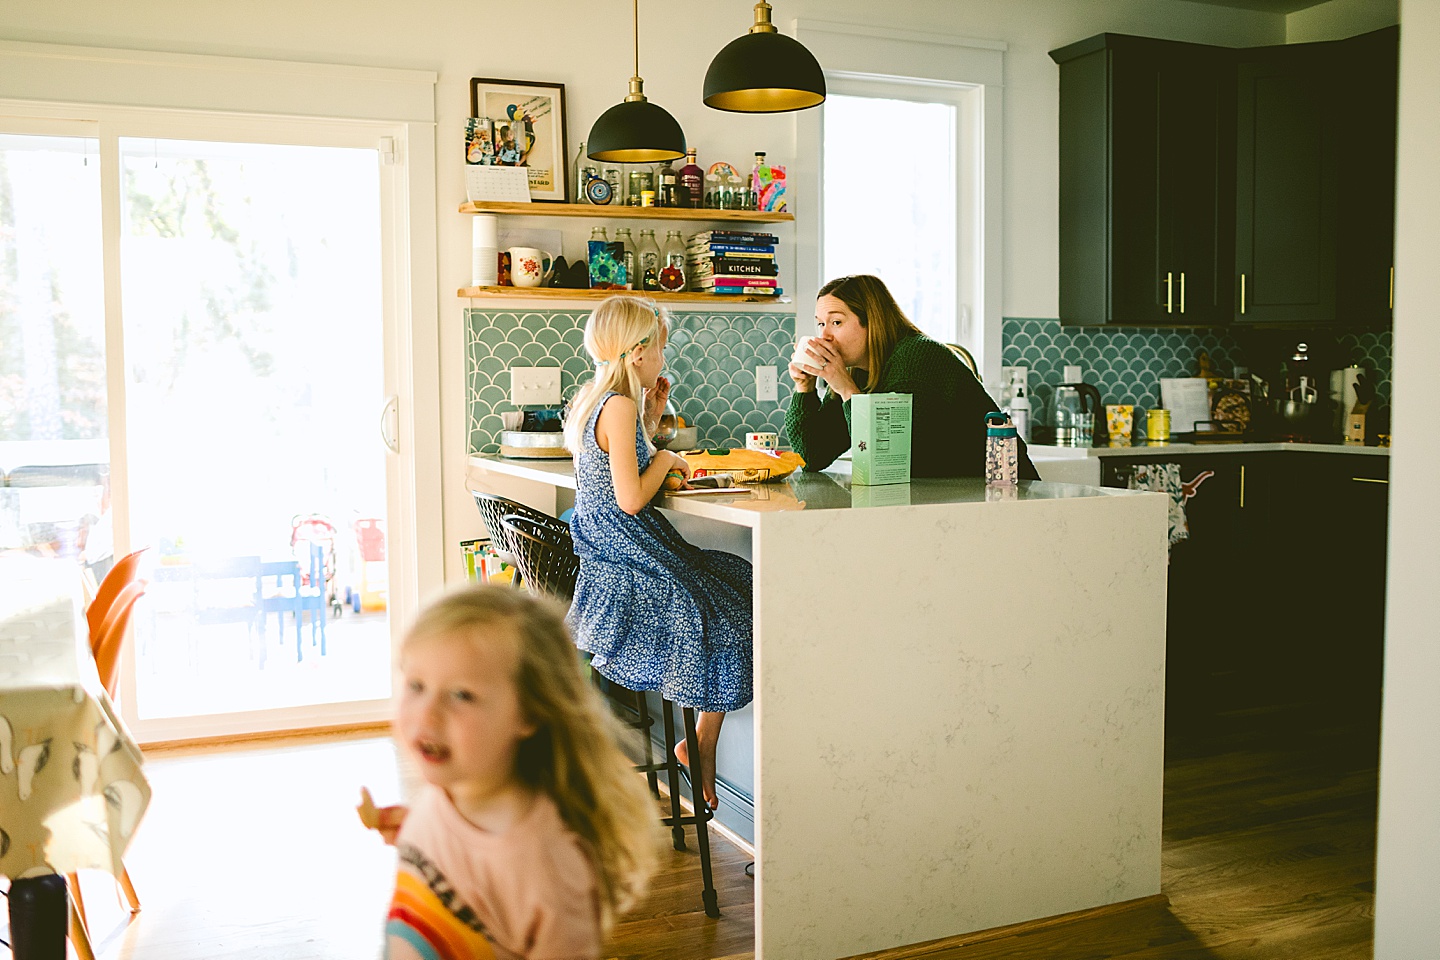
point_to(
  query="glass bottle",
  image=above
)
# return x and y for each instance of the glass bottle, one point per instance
(752, 189)
(577, 176)
(734, 190)
(648, 255)
(713, 189)
(665, 182)
(617, 185)
(622, 235)
(672, 263)
(598, 233)
(640, 181)
(690, 182)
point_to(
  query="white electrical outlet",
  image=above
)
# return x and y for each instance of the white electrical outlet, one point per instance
(765, 386)
(535, 386)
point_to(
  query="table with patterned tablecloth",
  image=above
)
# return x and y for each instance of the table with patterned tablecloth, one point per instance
(71, 787)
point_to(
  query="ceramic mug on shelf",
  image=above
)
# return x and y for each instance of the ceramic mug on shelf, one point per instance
(528, 266)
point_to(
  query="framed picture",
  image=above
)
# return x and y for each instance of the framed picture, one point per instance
(528, 126)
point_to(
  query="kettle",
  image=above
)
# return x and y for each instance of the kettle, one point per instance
(1073, 398)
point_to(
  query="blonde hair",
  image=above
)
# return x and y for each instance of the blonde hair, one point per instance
(615, 328)
(574, 755)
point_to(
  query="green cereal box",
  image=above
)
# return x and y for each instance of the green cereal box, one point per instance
(880, 438)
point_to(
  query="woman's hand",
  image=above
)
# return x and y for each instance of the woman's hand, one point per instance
(825, 360)
(655, 400)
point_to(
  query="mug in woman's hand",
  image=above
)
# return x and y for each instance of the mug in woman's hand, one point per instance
(804, 359)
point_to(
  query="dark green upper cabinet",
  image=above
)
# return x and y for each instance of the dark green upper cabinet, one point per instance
(1146, 158)
(1286, 187)
(1203, 185)
(1315, 182)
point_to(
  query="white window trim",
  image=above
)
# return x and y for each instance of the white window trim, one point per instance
(111, 93)
(853, 54)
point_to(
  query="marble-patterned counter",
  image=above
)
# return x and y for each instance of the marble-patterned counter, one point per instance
(958, 720)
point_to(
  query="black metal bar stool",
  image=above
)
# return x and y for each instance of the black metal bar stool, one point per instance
(492, 508)
(545, 556)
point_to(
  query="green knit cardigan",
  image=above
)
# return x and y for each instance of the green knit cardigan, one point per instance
(947, 420)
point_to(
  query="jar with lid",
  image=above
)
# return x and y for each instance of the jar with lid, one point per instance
(665, 193)
(640, 181)
(647, 255)
(622, 235)
(672, 263)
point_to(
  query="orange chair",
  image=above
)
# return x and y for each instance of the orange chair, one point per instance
(106, 641)
(120, 574)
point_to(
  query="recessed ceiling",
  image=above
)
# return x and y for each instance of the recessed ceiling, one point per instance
(1266, 6)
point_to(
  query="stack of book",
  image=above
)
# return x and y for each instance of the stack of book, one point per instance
(733, 261)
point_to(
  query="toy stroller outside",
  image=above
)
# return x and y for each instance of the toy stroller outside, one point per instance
(315, 528)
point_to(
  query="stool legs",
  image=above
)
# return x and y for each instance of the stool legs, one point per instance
(672, 769)
(702, 813)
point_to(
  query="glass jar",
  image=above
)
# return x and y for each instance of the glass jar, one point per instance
(640, 181)
(647, 254)
(672, 263)
(622, 235)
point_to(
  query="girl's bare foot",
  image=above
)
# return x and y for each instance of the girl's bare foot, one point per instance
(707, 733)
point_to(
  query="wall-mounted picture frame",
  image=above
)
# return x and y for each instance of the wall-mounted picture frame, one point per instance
(529, 130)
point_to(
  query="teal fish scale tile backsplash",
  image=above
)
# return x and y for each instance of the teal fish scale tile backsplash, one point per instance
(1126, 363)
(710, 360)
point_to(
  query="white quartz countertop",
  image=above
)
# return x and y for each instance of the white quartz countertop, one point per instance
(1039, 452)
(813, 491)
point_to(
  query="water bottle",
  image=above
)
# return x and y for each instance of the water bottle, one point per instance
(1002, 451)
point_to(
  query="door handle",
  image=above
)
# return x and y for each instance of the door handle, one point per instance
(1169, 292)
(1182, 291)
(1242, 294)
(389, 424)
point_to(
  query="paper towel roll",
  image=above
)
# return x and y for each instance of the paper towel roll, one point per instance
(486, 231)
(485, 266)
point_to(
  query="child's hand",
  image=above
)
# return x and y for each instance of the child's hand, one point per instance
(385, 820)
(655, 400)
(679, 465)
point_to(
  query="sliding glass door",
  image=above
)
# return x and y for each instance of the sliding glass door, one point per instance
(198, 314)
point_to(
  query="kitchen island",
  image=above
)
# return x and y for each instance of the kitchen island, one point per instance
(958, 720)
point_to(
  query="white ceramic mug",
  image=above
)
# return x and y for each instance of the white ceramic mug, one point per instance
(528, 266)
(803, 358)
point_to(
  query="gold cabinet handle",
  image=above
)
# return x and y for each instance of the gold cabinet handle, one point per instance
(1242, 479)
(1242, 294)
(1169, 292)
(1368, 480)
(1182, 291)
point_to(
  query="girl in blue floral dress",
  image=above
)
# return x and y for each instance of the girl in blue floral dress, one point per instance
(654, 611)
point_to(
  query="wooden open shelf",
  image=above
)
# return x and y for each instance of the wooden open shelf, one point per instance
(562, 293)
(611, 212)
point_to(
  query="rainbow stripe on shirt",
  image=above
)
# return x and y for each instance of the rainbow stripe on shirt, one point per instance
(426, 916)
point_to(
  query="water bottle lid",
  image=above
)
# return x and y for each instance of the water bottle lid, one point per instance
(998, 424)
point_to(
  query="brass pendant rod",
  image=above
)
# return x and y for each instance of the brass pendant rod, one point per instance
(635, 32)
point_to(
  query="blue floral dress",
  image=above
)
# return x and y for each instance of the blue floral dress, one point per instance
(654, 611)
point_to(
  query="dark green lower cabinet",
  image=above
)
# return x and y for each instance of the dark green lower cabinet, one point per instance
(1277, 593)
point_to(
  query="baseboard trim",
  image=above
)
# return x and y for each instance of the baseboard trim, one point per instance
(930, 948)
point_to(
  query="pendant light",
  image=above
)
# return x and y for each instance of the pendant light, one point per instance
(764, 72)
(636, 130)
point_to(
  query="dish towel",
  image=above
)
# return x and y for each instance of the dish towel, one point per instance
(1165, 478)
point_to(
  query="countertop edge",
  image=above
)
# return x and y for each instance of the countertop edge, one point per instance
(1044, 452)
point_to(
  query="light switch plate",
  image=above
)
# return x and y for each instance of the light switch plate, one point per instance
(765, 386)
(535, 386)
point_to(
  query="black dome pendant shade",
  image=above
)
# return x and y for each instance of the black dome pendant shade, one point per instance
(636, 130)
(764, 72)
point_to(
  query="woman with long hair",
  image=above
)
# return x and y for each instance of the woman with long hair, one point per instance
(864, 343)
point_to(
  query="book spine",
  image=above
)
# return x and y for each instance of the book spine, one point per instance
(756, 291)
(751, 268)
(736, 282)
(767, 250)
(722, 236)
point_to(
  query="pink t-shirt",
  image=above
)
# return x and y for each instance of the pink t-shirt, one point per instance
(463, 893)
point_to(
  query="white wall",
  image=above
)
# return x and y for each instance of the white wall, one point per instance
(460, 40)
(1407, 889)
(1339, 19)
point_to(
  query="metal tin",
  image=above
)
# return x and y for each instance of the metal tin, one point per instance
(1157, 424)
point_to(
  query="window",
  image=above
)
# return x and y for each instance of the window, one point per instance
(889, 202)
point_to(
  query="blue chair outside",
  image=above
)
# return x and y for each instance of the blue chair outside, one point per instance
(311, 596)
(280, 593)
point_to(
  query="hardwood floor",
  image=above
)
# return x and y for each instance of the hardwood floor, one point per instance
(1268, 853)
